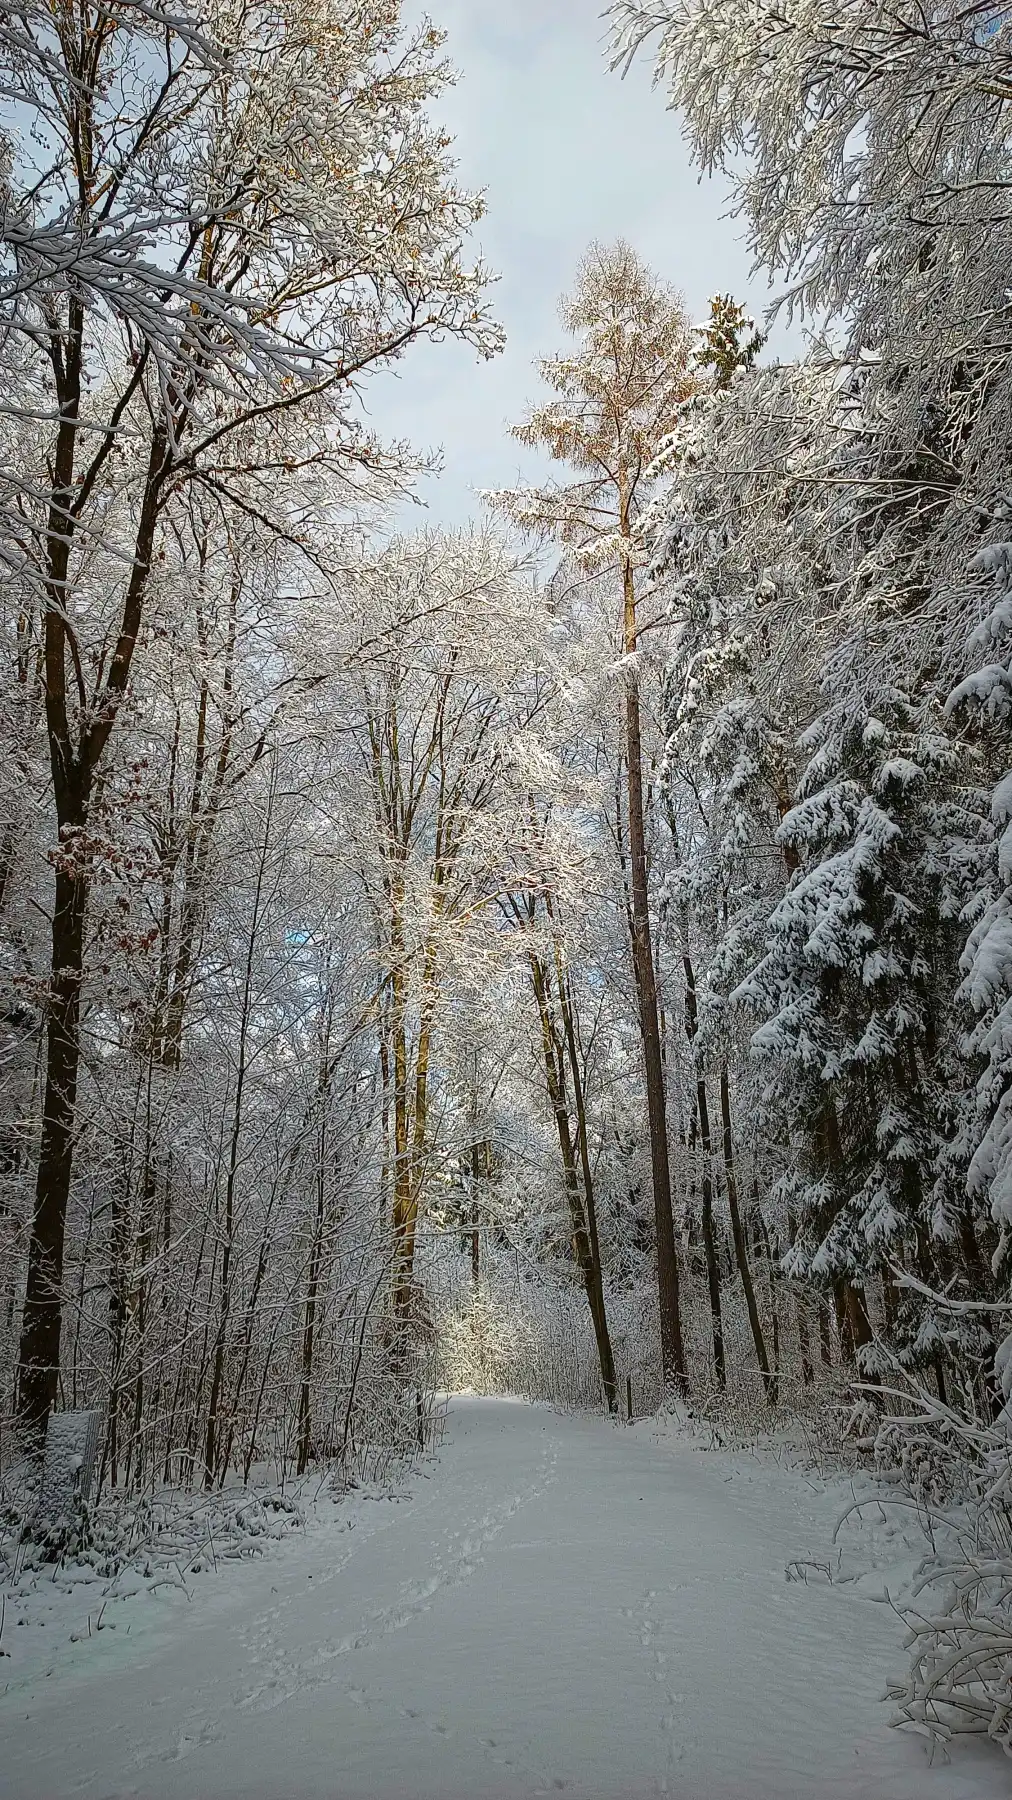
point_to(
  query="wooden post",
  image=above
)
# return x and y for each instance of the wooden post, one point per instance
(628, 1399)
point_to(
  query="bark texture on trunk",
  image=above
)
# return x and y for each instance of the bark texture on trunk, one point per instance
(39, 1366)
(585, 1246)
(673, 1370)
(709, 1243)
(77, 745)
(706, 1172)
(768, 1373)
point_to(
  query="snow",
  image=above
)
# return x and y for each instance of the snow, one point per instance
(71, 1444)
(554, 1604)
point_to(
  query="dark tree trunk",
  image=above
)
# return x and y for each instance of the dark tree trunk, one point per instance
(673, 1372)
(672, 1350)
(305, 1426)
(213, 1433)
(709, 1246)
(39, 1362)
(844, 1324)
(595, 1273)
(805, 1342)
(588, 1261)
(475, 1221)
(706, 1172)
(860, 1322)
(74, 767)
(825, 1335)
(769, 1379)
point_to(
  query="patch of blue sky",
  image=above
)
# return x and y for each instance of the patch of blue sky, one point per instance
(568, 153)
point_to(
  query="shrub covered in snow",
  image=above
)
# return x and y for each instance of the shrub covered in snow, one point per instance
(957, 1471)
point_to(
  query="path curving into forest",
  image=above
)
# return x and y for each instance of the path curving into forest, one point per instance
(558, 1606)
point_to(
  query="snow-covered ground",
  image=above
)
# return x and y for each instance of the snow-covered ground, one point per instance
(553, 1605)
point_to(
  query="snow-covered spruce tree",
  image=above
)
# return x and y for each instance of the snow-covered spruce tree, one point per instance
(984, 700)
(857, 991)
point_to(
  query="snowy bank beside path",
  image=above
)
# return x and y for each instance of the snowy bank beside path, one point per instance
(558, 1605)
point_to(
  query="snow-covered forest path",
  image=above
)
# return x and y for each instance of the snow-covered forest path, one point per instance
(558, 1605)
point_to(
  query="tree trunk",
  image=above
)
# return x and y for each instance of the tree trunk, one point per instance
(825, 1335)
(405, 1198)
(74, 768)
(706, 1170)
(39, 1359)
(475, 1221)
(212, 1436)
(804, 1340)
(775, 1283)
(673, 1373)
(844, 1323)
(595, 1287)
(769, 1379)
(589, 1263)
(305, 1424)
(861, 1332)
(709, 1247)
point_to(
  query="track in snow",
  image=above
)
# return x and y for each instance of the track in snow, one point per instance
(561, 1607)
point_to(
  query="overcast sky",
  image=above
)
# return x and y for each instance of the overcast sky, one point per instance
(568, 153)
